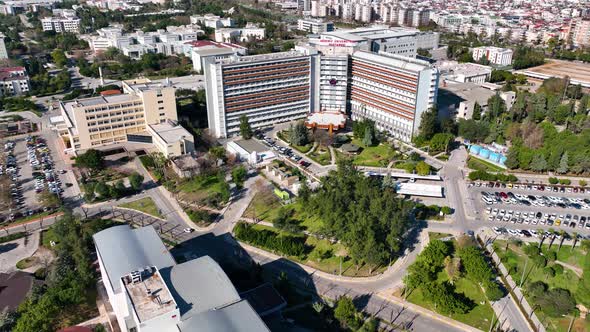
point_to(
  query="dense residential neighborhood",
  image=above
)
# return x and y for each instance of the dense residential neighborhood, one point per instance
(286, 165)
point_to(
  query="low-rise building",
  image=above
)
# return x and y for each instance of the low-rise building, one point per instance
(171, 138)
(250, 151)
(149, 291)
(63, 20)
(251, 31)
(495, 55)
(212, 21)
(14, 81)
(465, 72)
(314, 25)
(458, 100)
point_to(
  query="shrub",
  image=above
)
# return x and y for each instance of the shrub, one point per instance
(551, 256)
(558, 269)
(493, 290)
(539, 260)
(566, 182)
(549, 271)
(12, 237)
(286, 244)
(553, 180)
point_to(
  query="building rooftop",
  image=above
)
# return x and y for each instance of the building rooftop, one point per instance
(141, 247)
(419, 189)
(170, 132)
(466, 91)
(261, 57)
(148, 293)
(251, 145)
(234, 318)
(213, 289)
(398, 61)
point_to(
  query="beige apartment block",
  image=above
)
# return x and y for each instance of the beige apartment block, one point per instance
(117, 117)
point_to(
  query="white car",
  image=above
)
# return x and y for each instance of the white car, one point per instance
(188, 230)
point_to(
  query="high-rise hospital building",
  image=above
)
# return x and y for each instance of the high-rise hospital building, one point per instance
(369, 73)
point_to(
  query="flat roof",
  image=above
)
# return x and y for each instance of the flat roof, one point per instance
(170, 132)
(251, 145)
(148, 294)
(261, 57)
(327, 118)
(419, 189)
(467, 91)
(398, 61)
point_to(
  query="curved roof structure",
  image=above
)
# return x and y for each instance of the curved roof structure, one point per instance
(124, 250)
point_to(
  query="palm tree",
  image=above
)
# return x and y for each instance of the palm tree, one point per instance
(562, 234)
(552, 234)
(575, 234)
(541, 233)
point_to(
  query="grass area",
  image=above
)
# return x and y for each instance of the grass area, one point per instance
(437, 236)
(26, 263)
(321, 155)
(332, 254)
(482, 165)
(375, 156)
(302, 148)
(201, 187)
(76, 314)
(264, 205)
(515, 259)
(443, 157)
(145, 205)
(479, 316)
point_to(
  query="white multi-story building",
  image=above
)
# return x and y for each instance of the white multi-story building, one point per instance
(314, 26)
(250, 31)
(213, 21)
(392, 90)
(3, 52)
(203, 49)
(63, 20)
(465, 72)
(496, 55)
(267, 89)
(173, 40)
(14, 81)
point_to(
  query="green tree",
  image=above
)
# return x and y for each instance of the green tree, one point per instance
(136, 179)
(539, 164)
(429, 124)
(475, 265)
(91, 159)
(493, 290)
(59, 58)
(444, 298)
(304, 192)
(239, 175)
(102, 190)
(218, 152)
(245, 129)
(476, 111)
(346, 313)
(441, 142)
(368, 138)
(563, 164)
(298, 134)
(422, 168)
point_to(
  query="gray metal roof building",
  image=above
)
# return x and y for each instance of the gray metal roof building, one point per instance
(202, 293)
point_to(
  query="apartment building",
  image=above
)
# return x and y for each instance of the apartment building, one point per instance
(314, 25)
(392, 90)
(250, 31)
(3, 52)
(14, 81)
(63, 20)
(212, 21)
(121, 117)
(268, 89)
(579, 31)
(496, 55)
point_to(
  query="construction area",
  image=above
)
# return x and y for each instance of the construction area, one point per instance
(578, 72)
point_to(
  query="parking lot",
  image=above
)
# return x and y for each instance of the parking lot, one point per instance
(524, 209)
(28, 166)
(286, 152)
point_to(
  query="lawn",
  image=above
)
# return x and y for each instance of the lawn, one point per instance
(482, 165)
(481, 314)
(437, 236)
(375, 156)
(515, 260)
(302, 148)
(145, 205)
(31, 218)
(321, 155)
(264, 205)
(335, 252)
(201, 187)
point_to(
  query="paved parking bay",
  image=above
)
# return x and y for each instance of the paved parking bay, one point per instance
(26, 179)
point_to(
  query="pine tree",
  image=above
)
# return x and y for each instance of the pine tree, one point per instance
(563, 164)
(476, 111)
(539, 164)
